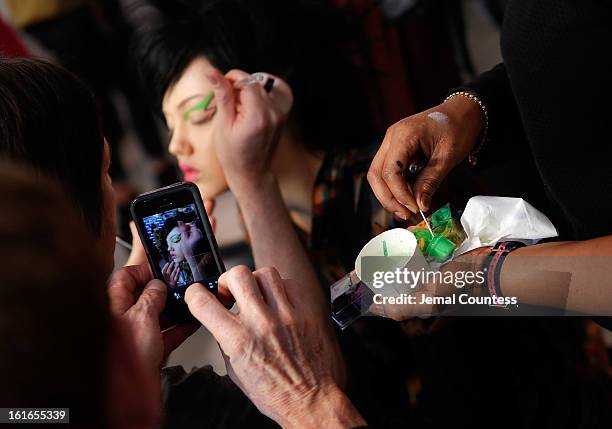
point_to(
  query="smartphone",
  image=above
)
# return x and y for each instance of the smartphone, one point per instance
(181, 248)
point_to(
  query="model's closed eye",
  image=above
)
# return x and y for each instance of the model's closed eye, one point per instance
(202, 116)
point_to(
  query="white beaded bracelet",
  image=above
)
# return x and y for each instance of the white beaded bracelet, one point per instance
(472, 158)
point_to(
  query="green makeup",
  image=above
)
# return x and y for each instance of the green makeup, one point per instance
(202, 105)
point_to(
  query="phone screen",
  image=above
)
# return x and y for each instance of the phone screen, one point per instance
(180, 250)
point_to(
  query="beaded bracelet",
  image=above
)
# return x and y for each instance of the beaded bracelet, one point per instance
(472, 158)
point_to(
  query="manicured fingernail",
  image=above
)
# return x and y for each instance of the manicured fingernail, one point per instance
(400, 215)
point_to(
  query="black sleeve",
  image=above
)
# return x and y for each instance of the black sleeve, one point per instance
(494, 90)
(203, 399)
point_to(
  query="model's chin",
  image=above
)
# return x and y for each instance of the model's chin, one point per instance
(211, 189)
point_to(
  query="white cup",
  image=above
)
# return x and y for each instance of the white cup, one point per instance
(402, 252)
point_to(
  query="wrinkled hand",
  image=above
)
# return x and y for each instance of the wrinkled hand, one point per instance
(138, 299)
(249, 125)
(273, 351)
(445, 134)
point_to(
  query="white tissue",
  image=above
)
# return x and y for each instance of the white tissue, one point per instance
(488, 220)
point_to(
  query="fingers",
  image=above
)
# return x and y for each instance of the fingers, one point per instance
(134, 232)
(209, 206)
(273, 291)
(242, 285)
(254, 95)
(222, 324)
(279, 97)
(224, 95)
(253, 103)
(429, 179)
(167, 269)
(184, 227)
(175, 273)
(235, 76)
(125, 285)
(379, 186)
(152, 300)
(399, 149)
(397, 159)
(138, 255)
(385, 197)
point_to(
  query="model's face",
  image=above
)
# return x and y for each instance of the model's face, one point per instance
(174, 245)
(109, 222)
(191, 128)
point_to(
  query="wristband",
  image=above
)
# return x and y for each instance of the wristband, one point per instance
(493, 265)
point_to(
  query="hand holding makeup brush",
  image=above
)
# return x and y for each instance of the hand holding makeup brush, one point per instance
(251, 111)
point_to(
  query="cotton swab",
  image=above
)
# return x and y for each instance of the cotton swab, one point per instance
(426, 223)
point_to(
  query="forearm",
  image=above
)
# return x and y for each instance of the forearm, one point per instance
(330, 409)
(570, 275)
(195, 268)
(275, 243)
(274, 240)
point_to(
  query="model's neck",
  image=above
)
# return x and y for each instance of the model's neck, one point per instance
(296, 170)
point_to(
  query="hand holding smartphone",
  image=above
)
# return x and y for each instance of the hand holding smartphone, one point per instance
(178, 239)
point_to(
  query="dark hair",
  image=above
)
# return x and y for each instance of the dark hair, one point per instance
(54, 313)
(304, 41)
(48, 120)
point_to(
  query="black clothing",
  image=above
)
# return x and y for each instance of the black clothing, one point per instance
(544, 115)
(203, 399)
(556, 77)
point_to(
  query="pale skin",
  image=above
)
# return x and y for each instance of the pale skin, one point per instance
(240, 143)
(446, 144)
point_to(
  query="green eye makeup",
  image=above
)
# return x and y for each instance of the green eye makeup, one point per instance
(175, 238)
(202, 105)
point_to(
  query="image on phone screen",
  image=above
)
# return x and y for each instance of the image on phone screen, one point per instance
(180, 250)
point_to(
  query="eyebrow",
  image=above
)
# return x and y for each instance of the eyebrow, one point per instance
(202, 105)
(182, 103)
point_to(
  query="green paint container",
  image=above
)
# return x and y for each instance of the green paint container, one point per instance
(440, 248)
(440, 219)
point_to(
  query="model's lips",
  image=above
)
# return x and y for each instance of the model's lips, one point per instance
(190, 174)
